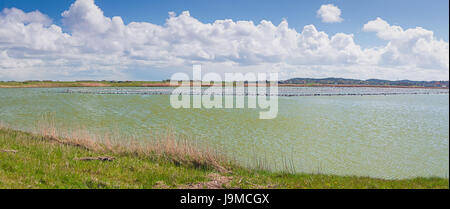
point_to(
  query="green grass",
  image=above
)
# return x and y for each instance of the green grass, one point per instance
(41, 162)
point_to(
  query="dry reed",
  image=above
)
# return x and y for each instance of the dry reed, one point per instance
(166, 147)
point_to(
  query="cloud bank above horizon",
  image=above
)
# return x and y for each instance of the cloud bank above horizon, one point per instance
(93, 46)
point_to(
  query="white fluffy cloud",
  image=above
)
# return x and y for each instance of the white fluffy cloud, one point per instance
(99, 47)
(414, 46)
(329, 13)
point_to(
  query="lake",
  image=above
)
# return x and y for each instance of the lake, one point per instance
(378, 132)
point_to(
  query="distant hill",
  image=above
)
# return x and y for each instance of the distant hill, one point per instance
(376, 82)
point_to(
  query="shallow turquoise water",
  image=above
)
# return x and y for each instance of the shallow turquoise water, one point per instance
(395, 136)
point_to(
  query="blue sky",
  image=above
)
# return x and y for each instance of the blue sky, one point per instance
(432, 15)
(381, 45)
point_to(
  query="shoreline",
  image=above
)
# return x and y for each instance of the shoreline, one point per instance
(63, 84)
(44, 161)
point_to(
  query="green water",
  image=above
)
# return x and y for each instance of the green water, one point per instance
(396, 136)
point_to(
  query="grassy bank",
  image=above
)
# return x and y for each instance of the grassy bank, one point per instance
(37, 161)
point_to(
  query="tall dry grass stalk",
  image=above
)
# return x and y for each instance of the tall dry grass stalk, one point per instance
(167, 147)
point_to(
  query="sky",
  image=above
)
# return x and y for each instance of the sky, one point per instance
(151, 40)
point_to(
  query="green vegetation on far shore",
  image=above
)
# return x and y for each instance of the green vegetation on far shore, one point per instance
(166, 83)
(55, 84)
(36, 161)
